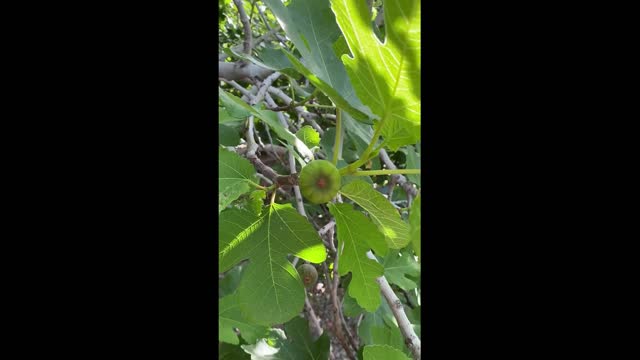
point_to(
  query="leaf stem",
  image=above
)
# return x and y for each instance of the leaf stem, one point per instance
(366, 154)
(321, 106)
(338, 141)
(385, 172)
(258, 185)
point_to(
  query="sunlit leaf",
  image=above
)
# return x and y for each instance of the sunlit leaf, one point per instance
(383, 352)
(271, 290)
(309, 136)
(235, 173)
(385, 74)
(382, 213)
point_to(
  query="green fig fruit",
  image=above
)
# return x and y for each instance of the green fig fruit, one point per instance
(308, 274)
(319, 181)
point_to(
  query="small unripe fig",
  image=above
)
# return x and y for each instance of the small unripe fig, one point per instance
(308, 274)
(319, 181)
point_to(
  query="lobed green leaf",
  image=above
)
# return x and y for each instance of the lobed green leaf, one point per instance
(385, 74)
(271, 290)
(354, 231)
(382, 213)
(235, 173)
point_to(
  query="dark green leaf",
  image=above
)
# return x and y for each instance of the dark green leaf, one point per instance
(228, 136)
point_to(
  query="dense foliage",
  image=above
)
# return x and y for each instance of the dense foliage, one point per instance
(319, 179)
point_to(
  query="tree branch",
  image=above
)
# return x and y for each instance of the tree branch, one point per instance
(299, 109)
(411, 339)
(241, 70)
(314, 322)
(292, 160)
(337, 314)
(263, 88)
(400, 179)
(240, 88)
(246, 24)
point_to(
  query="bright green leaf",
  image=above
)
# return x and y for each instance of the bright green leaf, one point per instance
(399, 264)
(385, 74)
(234, 108)
(383, 352)
(354, 231)
(229, 317)
(235, 173)
(384, 335)
(350, 306)
(256, 201)
(309, 136)
(382, 213)
(382, 317)
(271, 290)
(225, 117)
(340, 47)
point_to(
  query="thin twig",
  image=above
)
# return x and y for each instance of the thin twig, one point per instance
(261, 167)
(266, 179)
(337, 314)
(359, 321)
(411, 339)
(323, 230)
(314, 323)
(252, 147)
(263, 88)
(240, 88)
(292, 160)
(392, 185)
(255, 42)
(288, 100)
(247, 26)
(401, 180)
